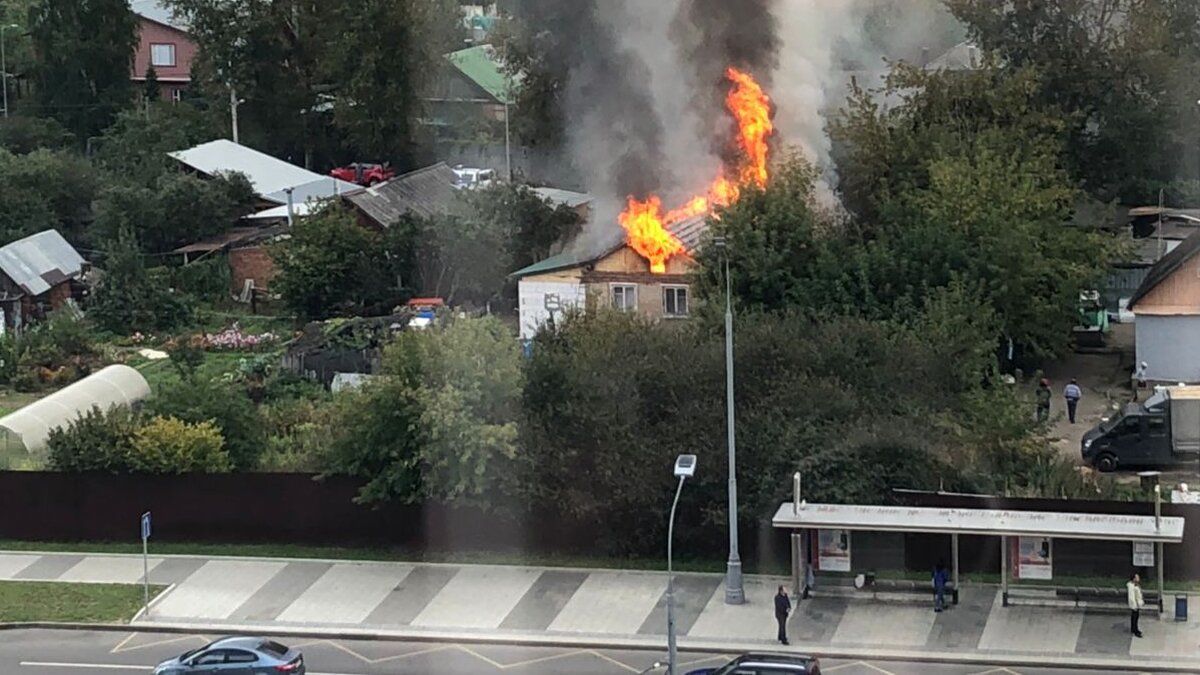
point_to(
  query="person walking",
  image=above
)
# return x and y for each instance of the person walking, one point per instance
(1044, 395)
(783, 605)
(1133, 589)
(1072, 393)
(939, 587)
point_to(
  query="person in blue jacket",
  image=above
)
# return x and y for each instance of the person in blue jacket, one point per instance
(939, 587)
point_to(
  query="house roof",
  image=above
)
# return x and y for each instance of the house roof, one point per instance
(41, 261)
(568, 198)
(269, 176)
(480, 65)
(237, 235)
(590, 247)
(962, 56)
(424, 192)
(157, 12)
(1168, 265)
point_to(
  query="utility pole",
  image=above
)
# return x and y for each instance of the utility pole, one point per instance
(734, 592)
(4, 66)
(507, 132)
(233, 106)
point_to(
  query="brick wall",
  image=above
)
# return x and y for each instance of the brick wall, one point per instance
(251, 262)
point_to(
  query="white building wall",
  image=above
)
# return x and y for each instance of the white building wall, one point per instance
(538, 299)
(1170, 347)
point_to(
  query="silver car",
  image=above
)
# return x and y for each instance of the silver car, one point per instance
(236, 656)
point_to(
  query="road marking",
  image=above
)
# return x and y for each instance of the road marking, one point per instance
(122, 648)
(397, 657)
(996, 671)
(91, 666)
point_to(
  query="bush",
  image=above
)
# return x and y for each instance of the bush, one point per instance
(195, 400)
(96, 441)
(299, 432)
(167, 445)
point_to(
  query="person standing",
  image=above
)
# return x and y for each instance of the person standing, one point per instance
(783, 605)
(1043, 400)
(939, 587)
(1133, 589)
(1072, 393)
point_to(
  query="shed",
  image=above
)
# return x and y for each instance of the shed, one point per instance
(113, 386)
(1167, 311)
(424, 192)
(37, 274)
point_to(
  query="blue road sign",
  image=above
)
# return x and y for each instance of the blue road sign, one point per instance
(145, 526)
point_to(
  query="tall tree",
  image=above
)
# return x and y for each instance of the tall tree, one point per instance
(84, 50)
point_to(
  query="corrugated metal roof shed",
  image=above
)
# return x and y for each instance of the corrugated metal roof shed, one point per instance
(424, 192)
(41, 261)
(112, 386)
(269, 176)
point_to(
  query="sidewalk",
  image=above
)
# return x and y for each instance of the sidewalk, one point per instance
(611, 608)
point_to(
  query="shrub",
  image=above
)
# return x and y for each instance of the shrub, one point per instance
(195, 400)
(96, 441)
(168, 445)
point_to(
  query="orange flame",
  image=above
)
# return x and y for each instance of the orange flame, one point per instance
(645, 222)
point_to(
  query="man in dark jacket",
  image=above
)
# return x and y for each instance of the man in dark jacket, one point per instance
(782, 607)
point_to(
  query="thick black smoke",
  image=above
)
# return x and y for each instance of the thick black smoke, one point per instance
(716, 34)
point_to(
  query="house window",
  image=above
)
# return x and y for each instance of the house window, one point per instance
(162, 55)
(675, 300)
(624, 298)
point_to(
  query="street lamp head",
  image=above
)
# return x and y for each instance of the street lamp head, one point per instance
(685, 466)
(719, 242)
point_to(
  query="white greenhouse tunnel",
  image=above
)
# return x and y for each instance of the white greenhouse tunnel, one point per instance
(30, 427)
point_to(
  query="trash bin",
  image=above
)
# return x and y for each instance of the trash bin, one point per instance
(1181, 607)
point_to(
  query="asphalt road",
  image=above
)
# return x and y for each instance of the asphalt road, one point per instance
(42, 652)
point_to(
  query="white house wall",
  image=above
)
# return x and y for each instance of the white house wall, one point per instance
(1170, 347)
(536, 298)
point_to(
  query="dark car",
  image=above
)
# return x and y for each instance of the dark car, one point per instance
(236, 656)
(761, 663)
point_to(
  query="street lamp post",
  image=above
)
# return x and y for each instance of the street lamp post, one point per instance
(734, 592)
(4, 65)
(507, 132)
(685, 467)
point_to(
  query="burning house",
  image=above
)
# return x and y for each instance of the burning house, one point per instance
(645, 266)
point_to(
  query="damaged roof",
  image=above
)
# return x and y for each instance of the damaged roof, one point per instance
(424, 192)
(586, 249)
(39, 262)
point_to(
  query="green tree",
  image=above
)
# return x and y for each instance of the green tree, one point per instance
(135, 147)
(22, 134)
(333, 266)
(441, 424)
(151, 91)
(127, 299)
(167, 445)
(83, 53)
(45, 189)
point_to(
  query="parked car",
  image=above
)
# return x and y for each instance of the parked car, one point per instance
(763, 663)
(364, 174)
(471, 179)
(236, 656)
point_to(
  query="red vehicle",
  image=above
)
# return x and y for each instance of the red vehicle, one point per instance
(364, 174)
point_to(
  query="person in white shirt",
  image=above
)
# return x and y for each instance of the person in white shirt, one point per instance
(1134, 590)
(1072, 393)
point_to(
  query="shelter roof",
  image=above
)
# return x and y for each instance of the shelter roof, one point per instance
(40, 261)
(980, 522)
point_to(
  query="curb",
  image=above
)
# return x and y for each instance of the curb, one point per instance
(635, 644)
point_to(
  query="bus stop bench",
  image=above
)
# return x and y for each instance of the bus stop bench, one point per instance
(1093, 595)
(906, 586)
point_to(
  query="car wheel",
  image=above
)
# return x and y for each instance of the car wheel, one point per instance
(1107, 462)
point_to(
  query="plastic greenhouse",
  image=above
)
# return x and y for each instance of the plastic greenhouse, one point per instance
(29, 427)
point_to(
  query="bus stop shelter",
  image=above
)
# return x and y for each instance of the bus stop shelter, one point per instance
(1153, 530)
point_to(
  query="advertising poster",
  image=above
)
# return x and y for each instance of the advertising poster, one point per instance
(1143, 554)
(833, 550)
(1032, 558)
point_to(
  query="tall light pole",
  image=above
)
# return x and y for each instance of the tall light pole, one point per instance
(685, 467)
(507, 96)
(4, 65)
(734, 592)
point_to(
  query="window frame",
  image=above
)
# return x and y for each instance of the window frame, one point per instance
(668, 289)
(625, 306)
(173, 51)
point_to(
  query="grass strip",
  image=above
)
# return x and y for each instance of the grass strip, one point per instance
(62, 602)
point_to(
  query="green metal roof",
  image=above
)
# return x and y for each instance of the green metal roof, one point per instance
(480, 66)
(582, 251)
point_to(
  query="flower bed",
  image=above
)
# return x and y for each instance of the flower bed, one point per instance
(235, 339)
